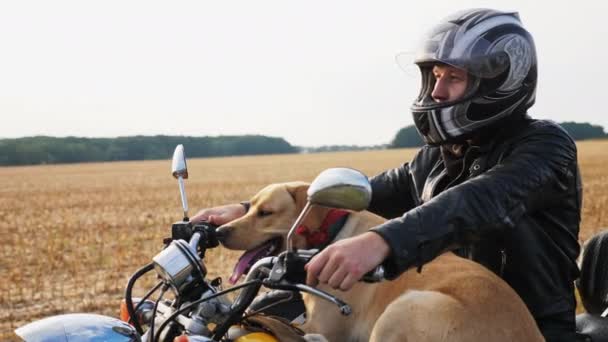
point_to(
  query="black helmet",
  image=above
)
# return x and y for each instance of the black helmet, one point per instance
(499, 55)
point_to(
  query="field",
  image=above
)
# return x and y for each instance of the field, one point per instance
(73, 234)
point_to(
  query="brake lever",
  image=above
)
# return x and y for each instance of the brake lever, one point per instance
(289, 266)
(288, 274)
(345, 309)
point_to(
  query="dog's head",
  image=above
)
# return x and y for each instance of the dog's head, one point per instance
(262, 231)
(272, 212)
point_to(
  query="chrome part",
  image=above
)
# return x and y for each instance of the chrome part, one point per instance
(182, 193)
(196, 237)
(213, 310)
(176, 263)
(341, 188)
(296, 224)
(78, 327)
(197, 326)
(165, 310)
(198, 338)
(299, 320)
(345, 309)
(144, 314)
(178, 166)
(266, 262)
(179, 169)
(235, 332)
(375, 275)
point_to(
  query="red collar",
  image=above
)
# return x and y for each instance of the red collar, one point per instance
(328, 230)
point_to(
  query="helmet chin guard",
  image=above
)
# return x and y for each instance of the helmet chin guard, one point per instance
(500, 58)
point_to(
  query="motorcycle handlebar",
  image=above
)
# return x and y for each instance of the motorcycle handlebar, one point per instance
(286, 272)
(374, 276)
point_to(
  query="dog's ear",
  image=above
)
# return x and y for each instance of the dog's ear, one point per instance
(297, 190)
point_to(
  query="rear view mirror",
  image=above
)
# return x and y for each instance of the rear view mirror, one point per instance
(341, 188)
(179, 170)
(178, 166)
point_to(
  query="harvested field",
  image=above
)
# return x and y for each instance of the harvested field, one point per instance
(73, 234)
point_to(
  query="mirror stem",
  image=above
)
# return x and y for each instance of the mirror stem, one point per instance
(182, 192)
(295, 226)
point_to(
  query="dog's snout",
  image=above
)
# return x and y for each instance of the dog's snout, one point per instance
(222, 233)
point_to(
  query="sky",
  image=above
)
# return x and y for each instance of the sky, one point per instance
(313, 72)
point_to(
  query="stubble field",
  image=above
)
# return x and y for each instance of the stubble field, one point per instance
(73, 234)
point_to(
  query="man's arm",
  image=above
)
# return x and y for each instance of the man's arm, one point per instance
(222, 214)
(493, 201)
(391, 193)
(394, 191)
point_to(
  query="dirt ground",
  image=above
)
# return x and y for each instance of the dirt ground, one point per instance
(73, 234)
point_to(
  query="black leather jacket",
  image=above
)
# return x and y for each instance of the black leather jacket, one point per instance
(515, 208)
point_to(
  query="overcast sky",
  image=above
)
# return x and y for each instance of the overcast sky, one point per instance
(313, 72)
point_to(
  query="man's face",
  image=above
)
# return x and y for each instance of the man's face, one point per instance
(450, 83)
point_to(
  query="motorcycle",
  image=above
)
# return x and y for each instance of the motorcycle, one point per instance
(200, 309)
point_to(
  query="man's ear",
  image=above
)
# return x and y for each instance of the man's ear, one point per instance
(297, 190)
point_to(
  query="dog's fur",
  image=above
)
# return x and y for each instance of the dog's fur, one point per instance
(452, 299)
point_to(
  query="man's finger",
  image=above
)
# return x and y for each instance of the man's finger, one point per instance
(220, 219)
(337, 278)
(199, 218)
(313, 267)
(330, 267)
(213, 219)
(348, 282)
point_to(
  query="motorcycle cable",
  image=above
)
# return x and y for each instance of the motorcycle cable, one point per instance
(160, 297)
(196, 302)
(129, 300)
(144, 298)
(239, 306)
(269, 306)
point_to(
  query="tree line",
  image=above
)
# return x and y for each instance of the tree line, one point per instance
(408, 136)
(52, 150)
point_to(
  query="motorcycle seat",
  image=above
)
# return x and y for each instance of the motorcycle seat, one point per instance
(593, 288)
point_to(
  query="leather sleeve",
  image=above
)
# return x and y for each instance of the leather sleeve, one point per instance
(391, 193)
(490, 203)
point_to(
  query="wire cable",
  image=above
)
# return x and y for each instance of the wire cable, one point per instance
(196, 302)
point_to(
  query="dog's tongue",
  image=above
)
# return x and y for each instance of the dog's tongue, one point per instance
(246, 260)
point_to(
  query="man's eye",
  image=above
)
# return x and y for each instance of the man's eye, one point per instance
(263, 213)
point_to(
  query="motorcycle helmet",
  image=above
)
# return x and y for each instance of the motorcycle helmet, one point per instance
(500, 58)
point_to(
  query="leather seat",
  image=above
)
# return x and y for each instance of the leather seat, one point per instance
(593, 289)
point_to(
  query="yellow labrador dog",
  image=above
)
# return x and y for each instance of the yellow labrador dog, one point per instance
(452, 299)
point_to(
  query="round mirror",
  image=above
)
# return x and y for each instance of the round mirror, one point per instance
(178, 166)
(342, 188)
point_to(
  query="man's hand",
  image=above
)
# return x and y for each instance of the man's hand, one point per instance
(344, 262)
(219, 215)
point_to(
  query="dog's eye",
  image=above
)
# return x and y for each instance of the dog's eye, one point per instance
(263, 213)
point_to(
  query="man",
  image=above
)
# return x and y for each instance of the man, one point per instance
(491, 183)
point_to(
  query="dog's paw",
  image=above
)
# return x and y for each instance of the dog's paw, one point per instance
(314, 338)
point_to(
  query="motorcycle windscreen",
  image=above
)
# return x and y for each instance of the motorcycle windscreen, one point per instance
(78, 327)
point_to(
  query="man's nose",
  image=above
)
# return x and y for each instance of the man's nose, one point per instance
(440, 91)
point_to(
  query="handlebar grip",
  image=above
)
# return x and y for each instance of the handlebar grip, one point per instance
(374, 276)
(209, 234)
